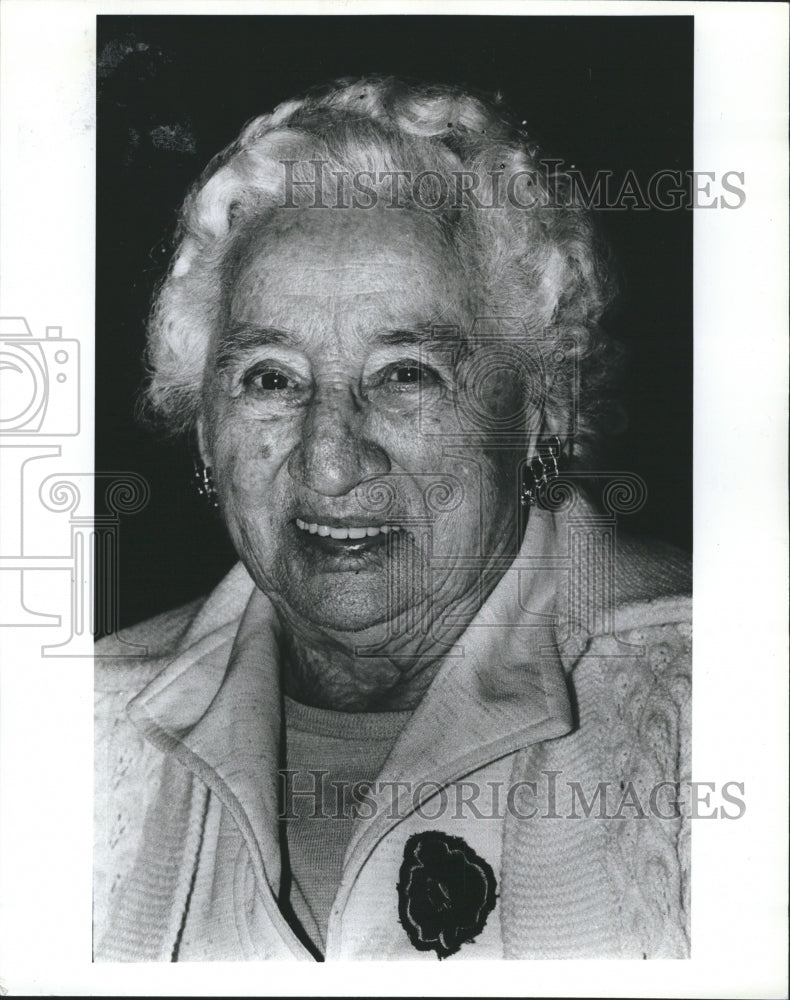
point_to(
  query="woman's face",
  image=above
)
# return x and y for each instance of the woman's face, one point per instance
(360, 488)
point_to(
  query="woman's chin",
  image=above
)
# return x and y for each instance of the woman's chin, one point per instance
(347, 585)
(340, 605)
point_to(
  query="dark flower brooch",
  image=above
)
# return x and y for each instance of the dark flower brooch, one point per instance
(445, 893)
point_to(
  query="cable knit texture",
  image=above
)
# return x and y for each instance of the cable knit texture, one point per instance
(633, 732)
(587, 886)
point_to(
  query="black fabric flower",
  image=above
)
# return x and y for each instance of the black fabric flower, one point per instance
(445, 892)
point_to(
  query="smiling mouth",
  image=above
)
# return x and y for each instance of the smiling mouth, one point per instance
(351, 533)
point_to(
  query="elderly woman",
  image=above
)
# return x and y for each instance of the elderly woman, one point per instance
(439, 707)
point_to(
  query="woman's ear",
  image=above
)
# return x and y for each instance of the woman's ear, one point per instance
(204, 480)
(202, 442)
(536, 430)
(546, 434)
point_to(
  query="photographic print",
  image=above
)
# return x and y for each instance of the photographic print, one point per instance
(422, 482)
(393, 423)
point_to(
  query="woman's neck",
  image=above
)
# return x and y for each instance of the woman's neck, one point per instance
(327, 675)
(381, 669)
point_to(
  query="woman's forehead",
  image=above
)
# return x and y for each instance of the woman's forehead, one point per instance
(365, 234)
(352, 260)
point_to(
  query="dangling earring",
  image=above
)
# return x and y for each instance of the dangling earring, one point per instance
(204, 483)
(544, 467)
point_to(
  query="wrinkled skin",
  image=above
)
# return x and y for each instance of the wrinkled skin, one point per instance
(327, 378)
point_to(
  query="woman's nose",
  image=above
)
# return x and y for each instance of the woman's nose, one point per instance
(334, 455)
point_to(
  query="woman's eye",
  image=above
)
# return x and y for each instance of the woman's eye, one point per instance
(269, 380)
(273, 388)
(412, 374)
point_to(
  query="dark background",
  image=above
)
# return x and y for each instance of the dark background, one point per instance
(604, 93)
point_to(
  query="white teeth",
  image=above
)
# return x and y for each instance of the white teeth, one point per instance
(325, 530)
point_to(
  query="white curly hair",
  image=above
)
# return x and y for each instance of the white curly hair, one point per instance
(545, 263)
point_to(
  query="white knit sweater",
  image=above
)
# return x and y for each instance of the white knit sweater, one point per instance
(556, 713)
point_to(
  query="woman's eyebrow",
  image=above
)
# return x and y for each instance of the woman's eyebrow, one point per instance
(430, 333)
(401, 338)
(239, 339)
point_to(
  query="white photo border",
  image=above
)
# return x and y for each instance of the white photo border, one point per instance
(739, 869)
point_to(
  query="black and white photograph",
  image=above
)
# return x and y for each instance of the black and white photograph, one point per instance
(398, 549)
(443, 680)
